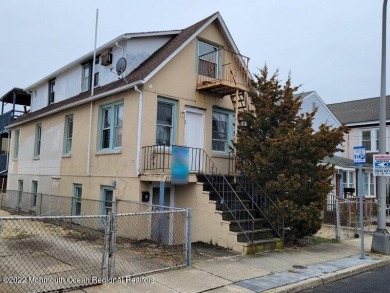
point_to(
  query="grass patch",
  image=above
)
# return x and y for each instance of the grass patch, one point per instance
(320, 240)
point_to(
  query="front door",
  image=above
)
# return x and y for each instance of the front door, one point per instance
(194, 137)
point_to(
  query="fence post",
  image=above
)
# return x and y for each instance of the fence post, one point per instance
(105, 254)
(338, 228)
(112, 242)
(188, 241)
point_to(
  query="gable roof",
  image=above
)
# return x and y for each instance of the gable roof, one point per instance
(365, 111)
(305, 95)
(140, 74)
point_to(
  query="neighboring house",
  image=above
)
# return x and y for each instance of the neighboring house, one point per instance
(345, 170)
(93, 135)
(311, 101)
(362, 118)
(14, 103)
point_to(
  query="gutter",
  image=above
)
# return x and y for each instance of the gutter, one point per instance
(84, 101)
(139, 129)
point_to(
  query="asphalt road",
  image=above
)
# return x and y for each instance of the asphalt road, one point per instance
(373, 281)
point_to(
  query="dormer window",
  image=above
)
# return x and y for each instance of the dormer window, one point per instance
(52, 84)
(86, 76)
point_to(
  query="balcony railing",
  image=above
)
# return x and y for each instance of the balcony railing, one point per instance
(158, 158)
(223, 71)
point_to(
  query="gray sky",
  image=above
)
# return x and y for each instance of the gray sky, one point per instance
(330, 46)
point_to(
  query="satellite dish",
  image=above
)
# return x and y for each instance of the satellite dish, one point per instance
(121, 65)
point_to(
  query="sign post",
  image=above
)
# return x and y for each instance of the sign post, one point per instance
(359, 158)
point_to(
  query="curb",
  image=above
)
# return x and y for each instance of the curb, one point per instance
(328, 278)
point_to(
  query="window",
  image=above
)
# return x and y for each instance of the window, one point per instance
(107, 198)
(348, 179)
(38, 136)
(68, 134)
(166, 122)
(20, 191)
(96, 79)
(209, 56)
(222, 130)
(370, 139)
(111, 126)
(16, 144)
(86, 76)
(52, 84)
(76, 200)
(369, 180)
(34, 191)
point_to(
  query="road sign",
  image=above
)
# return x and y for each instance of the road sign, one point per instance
(381, 165)
(359, 155)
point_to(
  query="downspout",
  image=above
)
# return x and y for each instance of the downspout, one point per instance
(139, 129)
(89, 140)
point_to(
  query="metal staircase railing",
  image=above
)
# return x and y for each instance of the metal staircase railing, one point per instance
(260, 199)
(229, 198)
(159, 159)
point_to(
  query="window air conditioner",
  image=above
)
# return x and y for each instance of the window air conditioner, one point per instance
(106, 59)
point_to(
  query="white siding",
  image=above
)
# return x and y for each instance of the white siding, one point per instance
(323, 115)
(68, 84)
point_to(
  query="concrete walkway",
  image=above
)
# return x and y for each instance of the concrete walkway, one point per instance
(289, 270)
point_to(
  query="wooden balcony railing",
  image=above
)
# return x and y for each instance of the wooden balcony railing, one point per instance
(223, 71)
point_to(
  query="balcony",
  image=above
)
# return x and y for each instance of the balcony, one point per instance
(223, 72)
(18, 101)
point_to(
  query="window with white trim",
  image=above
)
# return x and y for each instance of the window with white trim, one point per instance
(111, 123)
(348, 179)
(369, 181)
(16, 144)
(86, 76)
(370, 139)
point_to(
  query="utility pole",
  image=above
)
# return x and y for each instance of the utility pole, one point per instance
(381, 237)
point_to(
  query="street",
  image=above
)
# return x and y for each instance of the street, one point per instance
(371, 281)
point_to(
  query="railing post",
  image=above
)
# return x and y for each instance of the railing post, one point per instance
(338, 229)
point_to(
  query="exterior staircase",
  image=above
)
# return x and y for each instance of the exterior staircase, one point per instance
(246, 221)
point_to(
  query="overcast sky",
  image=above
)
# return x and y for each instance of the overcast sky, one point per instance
(330, 46)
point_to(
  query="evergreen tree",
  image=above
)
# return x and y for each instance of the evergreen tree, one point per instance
(281, 151)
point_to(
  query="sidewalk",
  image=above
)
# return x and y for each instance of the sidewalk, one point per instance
(289, 270)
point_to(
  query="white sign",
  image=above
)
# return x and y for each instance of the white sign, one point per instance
(359, 155)
(381, 165)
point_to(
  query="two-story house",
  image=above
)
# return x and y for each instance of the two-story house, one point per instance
(362, 118)
(345, 170)
(107, 127)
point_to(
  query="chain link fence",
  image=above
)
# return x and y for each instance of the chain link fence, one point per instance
(51, 253)
(26, 203)
(341, 218)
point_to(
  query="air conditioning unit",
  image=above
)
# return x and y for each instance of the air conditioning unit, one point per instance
(106, 59)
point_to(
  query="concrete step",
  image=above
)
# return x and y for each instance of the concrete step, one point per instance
(262, 245)
(247, 224)
(259, 234)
